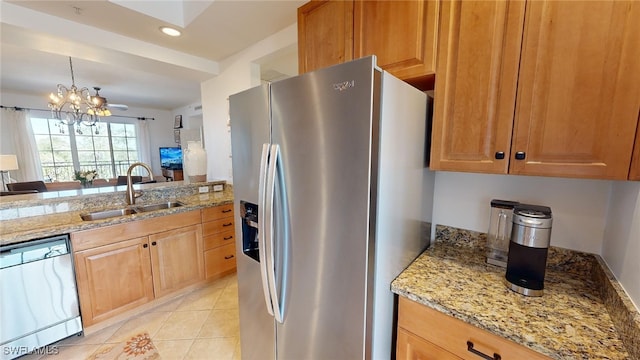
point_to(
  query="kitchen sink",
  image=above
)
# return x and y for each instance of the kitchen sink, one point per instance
(161, 206)
(106, 214)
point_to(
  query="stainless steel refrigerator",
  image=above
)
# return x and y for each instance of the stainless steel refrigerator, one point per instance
(328, 180)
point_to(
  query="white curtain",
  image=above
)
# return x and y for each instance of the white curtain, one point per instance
(144, 144)
(21, 142)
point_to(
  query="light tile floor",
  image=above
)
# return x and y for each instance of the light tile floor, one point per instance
(202, 324)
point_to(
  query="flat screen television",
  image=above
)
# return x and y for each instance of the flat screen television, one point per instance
(171, 158)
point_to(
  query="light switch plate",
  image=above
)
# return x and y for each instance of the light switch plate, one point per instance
(203, 189)
(218, 187)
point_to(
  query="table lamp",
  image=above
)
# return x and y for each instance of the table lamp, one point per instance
(7, 163)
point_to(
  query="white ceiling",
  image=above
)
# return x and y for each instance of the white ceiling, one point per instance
(122, 50)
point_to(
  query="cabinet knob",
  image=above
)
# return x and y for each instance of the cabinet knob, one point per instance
(520, 155)
(145, 245)
(481, 354)
(153, 243)
(499, 155)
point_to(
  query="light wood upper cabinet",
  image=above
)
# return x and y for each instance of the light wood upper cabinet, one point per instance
(325, 34)
(575, 110)
(578, 89)
(113, 279)
(177, 259)
(402, 34)
(478, 56)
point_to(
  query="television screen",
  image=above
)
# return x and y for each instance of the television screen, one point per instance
(171, 158)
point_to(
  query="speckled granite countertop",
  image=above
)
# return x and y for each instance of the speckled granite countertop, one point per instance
(583, 314)
(40, 216)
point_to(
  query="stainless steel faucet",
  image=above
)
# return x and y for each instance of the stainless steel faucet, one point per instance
(131, 194)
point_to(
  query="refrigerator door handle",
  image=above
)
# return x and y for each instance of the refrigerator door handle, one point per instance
(270, 190)
(262, 233)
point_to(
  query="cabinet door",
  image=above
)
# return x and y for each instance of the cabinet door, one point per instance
(412, 347)
(113, 279)
(634, 171)
(478, 53)
(402, 34)
(578, 90)
(177, 258)
(325, 34)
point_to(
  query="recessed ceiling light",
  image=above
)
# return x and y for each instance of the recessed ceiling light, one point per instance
(170, 31)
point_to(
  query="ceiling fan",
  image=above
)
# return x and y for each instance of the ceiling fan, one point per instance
(102, 105)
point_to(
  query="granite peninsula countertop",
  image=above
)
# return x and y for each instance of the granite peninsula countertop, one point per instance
(33, 217)
(583, 314)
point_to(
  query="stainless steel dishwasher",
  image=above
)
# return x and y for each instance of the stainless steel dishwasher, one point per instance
(39, 296)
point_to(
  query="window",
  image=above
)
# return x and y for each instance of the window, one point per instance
(109, 147)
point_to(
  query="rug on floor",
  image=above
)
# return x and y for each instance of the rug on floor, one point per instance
(138, 347)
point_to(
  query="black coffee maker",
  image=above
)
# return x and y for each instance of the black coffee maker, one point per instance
(528, 247)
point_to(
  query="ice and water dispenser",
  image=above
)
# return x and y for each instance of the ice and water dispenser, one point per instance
(249, 216)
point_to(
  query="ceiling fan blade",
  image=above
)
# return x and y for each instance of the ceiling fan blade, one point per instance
(118, 106)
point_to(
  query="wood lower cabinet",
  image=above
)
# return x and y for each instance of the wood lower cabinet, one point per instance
(412, 347)
(425, 333)
(402, 34)
(113, 279)
(169, 250)
(219, 241)
(547, 88)
(121, 267)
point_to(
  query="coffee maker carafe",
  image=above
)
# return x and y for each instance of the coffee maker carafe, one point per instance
(530, 237)
(499, 234)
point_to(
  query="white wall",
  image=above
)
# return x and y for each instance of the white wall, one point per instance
(579, 206)
(621, 248)
(595, 216)
(237, 73)
(160, 129)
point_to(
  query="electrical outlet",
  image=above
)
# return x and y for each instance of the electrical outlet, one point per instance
(218, 187)
(203, 189)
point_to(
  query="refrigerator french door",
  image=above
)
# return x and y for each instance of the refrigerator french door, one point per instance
(327, 174)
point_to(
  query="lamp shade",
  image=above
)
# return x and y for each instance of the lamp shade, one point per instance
(8, 162)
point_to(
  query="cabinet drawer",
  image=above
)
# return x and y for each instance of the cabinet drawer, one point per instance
(220, 239)
(220, 260)
(452, 334)
(217, 226)
(411, 347)
(217, 212)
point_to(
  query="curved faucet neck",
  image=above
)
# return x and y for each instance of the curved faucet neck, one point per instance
(131, 195)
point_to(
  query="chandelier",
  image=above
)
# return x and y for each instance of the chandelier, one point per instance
(77, 106)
